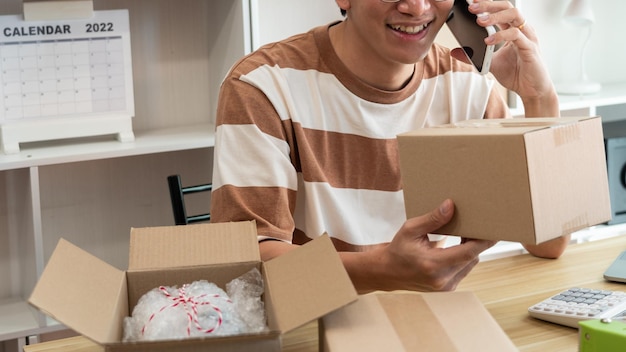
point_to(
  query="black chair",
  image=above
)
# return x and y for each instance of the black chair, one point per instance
(177, 196)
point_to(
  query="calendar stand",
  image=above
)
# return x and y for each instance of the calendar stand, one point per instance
(49, 10)
(65, 78)
(11, 135)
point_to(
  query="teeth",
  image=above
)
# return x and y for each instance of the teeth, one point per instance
(410, 30)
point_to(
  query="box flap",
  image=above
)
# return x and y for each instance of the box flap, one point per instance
(445, 321)
(83, 292)
(438, 321)
(305, 284)
(191, 245)
(362, 326)
(482, 127)
(262, 342)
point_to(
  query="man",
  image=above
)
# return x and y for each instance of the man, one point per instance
(305, 139)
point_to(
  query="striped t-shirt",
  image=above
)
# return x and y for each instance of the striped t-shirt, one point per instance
(303, 147)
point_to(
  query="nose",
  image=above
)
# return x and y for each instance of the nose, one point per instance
(413, 7)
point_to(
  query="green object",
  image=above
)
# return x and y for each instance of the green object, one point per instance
(602, 335)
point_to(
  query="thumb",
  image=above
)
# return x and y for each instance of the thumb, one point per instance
(443, 213)
(435, 219)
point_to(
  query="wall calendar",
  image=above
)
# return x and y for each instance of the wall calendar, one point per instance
(65, 79)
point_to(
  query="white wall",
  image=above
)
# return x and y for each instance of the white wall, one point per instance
(606, 52)
(279, 19)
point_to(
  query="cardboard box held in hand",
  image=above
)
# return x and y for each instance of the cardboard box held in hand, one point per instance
(521, 180)
(93, 298)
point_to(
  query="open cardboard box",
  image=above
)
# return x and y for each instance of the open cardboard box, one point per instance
(93, 298)
(521, 180)
(436, 321)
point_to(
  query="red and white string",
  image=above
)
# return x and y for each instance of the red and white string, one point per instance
(190, 305)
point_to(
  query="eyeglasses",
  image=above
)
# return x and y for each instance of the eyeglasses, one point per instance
(391, 1)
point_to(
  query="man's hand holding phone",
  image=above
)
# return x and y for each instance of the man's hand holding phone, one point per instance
(471, 36)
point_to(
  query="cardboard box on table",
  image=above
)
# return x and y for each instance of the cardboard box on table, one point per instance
(92, 297)
(437, 321)
(521, 180)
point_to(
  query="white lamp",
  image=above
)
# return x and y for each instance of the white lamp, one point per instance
(579, 14)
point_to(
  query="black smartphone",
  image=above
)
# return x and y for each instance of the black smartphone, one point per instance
(470, 35)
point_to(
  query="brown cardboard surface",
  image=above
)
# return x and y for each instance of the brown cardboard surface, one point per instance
(418, 323)
(362, 326)
(99, 296)
(523, 181)
(74, 280)
(299, 293)
(257, 342)
(162, 247)
(584, 201)
(468, 325)
(442, 321)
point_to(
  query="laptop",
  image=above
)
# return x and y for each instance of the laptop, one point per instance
(617, 270)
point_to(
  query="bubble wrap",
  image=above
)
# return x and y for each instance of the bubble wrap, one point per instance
(198, 309)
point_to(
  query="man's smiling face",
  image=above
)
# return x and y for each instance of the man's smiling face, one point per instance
(401, 32)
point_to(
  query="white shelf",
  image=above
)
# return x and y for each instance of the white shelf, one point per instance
(93, 148)
(16, 319)
(611, 94)
(19, 319)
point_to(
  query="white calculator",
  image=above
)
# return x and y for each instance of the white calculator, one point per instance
(576, 304)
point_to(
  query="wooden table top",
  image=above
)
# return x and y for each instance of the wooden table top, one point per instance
(506, 286)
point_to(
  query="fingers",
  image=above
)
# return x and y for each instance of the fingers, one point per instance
(460, 260)
(414, 264)
(475, 247)
(466, 252)
(499, 12)
(455, 263)
(504, 15)
(460, 275)
(432, 221)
